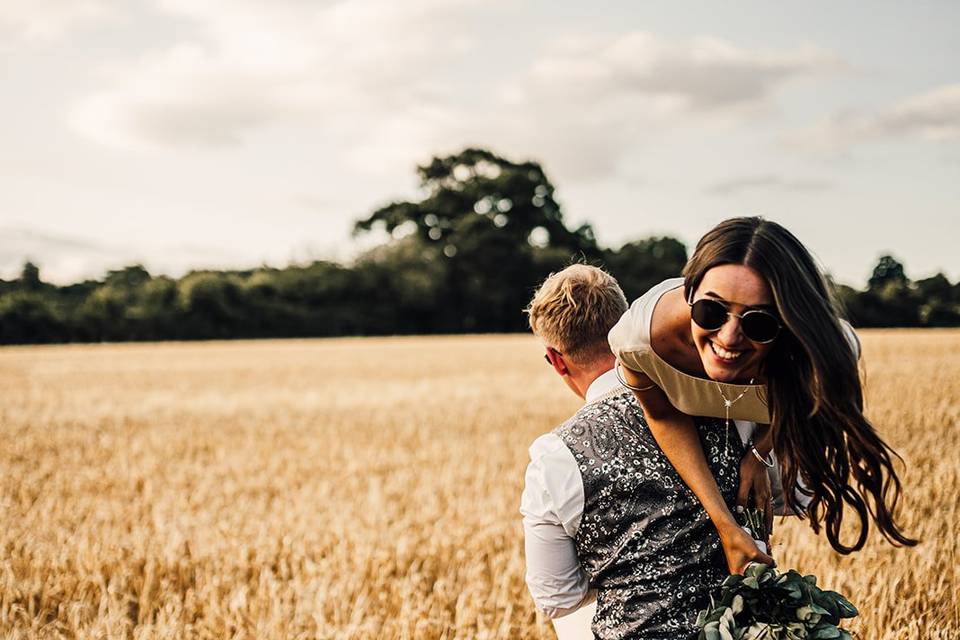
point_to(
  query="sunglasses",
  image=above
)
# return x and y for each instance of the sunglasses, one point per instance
(757, 325)
(546, 358)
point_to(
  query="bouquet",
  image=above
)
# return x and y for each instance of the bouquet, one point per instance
(764, 604)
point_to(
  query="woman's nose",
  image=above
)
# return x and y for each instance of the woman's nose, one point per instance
(730, 334)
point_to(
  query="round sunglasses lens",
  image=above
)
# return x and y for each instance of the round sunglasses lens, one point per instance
(708, 314)
(759, 326)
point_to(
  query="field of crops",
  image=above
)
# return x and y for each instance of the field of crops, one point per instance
(366, 488)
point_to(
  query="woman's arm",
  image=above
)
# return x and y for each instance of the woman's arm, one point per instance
(755, 477)
(677, 437)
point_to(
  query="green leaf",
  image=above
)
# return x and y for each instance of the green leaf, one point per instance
(794, 592)
(827, 631)
(737, 605)
(716, 614)
(712, 631)
(732, 580)
(847, 610)
(829, 603)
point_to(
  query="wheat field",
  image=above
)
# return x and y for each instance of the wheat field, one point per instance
(366, 488)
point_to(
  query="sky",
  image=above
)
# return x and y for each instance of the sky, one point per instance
(187, 134)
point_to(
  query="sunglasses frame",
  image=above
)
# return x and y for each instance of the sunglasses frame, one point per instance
(741, 316)
(546, 358)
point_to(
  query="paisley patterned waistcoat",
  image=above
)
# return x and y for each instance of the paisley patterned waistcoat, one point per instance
(644, 540)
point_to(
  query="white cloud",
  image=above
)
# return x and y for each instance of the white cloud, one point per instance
(768, 182)
(33, 20)
(373, 78)
(694, 74)
(933, 115)
(587, 101)
(351, 67)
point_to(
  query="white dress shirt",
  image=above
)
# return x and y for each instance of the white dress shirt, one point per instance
(552, 506)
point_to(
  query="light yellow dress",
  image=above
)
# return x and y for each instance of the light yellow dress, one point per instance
(630, 342)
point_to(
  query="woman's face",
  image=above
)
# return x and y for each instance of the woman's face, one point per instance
(727, 355)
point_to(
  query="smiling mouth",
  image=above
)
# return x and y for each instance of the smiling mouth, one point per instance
(725, 354)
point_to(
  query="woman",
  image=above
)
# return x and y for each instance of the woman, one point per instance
(751, 333)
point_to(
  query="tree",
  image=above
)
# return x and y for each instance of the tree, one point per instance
(640, 265)
(30, 277)
(887, 271)
(939, 306)
(129, 278)
(935, 288)
(211, 304)
(29, 317)
(517, 198)
(490, 217)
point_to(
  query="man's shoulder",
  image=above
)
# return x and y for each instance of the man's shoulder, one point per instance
(620, 405)
(616, 402)
(611, 404)
(545, 445)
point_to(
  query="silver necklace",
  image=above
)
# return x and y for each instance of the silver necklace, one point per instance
(727, 404)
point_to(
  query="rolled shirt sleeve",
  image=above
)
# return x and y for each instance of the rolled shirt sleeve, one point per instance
(552, 506)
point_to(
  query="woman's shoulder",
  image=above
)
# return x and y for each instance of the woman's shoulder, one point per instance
(852, 338)
(631, 334)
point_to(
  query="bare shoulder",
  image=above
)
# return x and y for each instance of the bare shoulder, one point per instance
(670, 318)
(670, 335)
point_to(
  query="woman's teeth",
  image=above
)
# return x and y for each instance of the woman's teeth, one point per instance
(723, 354)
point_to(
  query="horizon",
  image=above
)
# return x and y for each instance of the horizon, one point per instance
(350, 262)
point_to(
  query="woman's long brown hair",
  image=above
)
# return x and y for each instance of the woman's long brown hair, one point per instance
(813, 385)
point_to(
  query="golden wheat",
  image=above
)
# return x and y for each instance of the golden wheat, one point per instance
(365, 488)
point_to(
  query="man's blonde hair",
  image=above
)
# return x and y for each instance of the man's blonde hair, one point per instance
(574, 309)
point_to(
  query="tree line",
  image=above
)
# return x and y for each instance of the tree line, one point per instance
(463, 258)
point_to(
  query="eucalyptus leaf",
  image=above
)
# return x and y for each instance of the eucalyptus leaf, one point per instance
(712, 631)
(764, 604)
(847, 610)
(737, 605)
(828, 631)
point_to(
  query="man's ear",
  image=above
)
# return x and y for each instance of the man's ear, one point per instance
(556, 359)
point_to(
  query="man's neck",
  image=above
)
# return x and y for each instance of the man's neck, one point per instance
(585, 378)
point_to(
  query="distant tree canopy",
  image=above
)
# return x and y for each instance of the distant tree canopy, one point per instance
(891, 299)
(465, 257)
(490, 224)
(476, 191)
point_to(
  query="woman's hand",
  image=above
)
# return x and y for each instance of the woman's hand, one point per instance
(740, 549)
(755, 484)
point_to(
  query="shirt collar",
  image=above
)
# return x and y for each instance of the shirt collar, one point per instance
(602, 385)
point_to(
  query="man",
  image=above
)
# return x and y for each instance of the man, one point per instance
(604, 513)
(572, 313)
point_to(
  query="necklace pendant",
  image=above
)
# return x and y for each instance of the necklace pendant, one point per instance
(727, 403)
